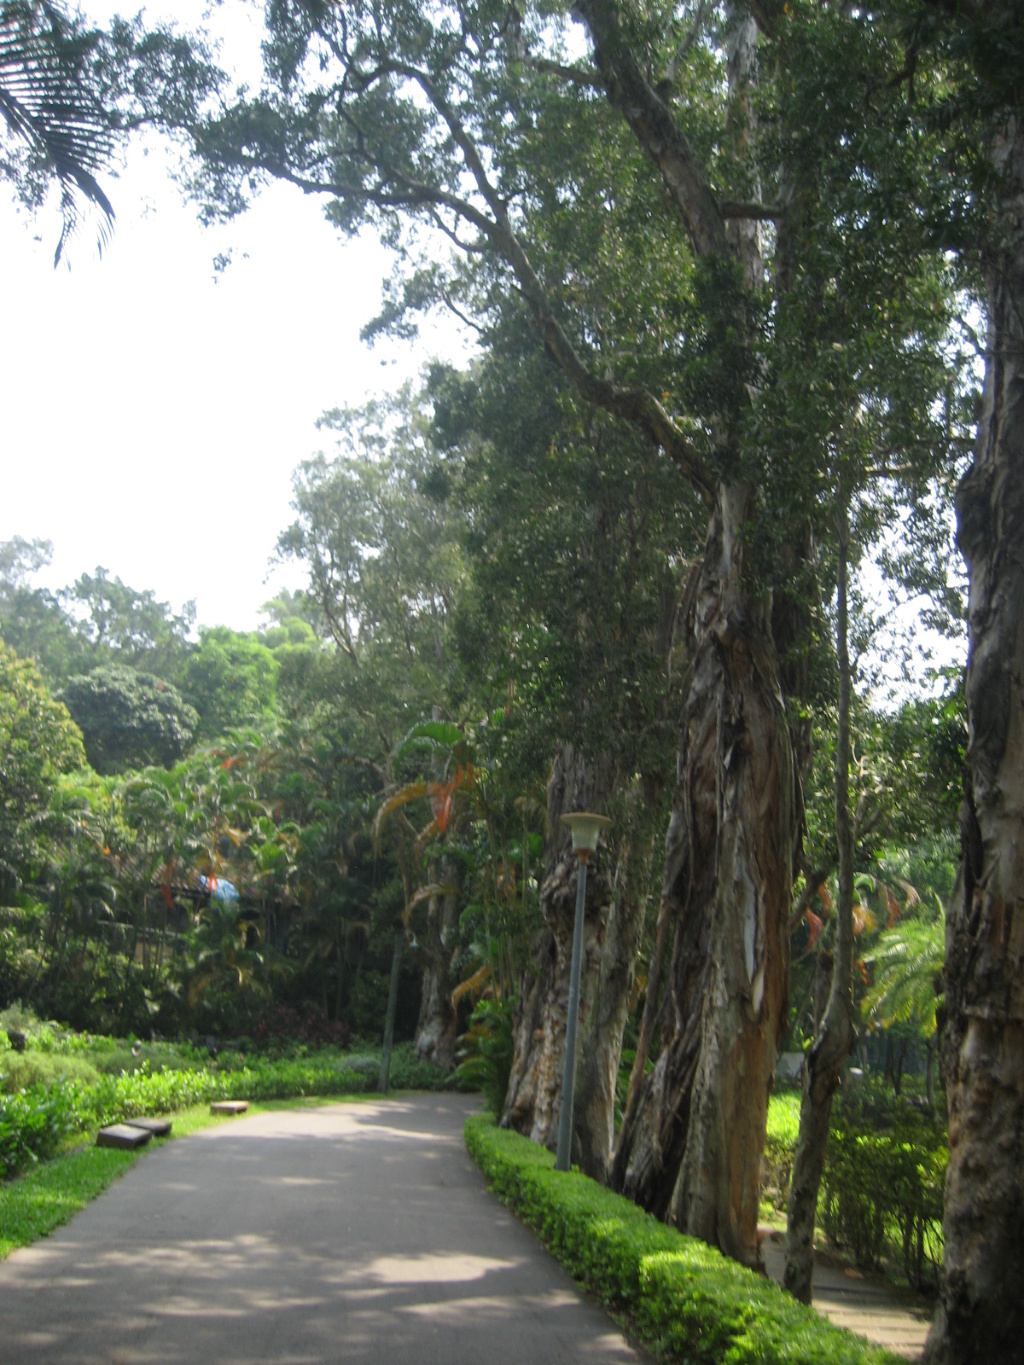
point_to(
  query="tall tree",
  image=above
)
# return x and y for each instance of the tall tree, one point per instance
(129, 719)
(231, 681)
(38, 741)
(981, 1308)
(444, 120)
(579, 536)
(386, 570)
(434, 117)
(123, 625)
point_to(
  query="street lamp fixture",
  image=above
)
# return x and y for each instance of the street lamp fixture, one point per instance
(586, 830)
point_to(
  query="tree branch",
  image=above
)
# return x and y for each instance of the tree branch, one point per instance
(655, 129)
(577, 75)
(759, 213)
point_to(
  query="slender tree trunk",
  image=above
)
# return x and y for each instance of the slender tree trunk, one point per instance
(389, 1021)
(341, 952)
(692, 1143)
(694, 1139)
(533, 1101)
(837, 1034)
(437, 1026)
(929, 1075)
(981, 1303)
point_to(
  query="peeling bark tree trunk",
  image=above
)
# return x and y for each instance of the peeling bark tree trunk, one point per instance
(837, 1034)
(437, 1026)
(648, 1023)
(981, 1304)
(533, 1100)
(601, 1040)
(693, 1143)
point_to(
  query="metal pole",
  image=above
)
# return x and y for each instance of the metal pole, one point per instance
(569, 1068)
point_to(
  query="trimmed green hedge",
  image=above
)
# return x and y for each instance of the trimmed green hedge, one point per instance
(684, 1299)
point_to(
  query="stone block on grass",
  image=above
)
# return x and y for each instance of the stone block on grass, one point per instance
(158, 1127)
(229, 1106)
(123, 1136)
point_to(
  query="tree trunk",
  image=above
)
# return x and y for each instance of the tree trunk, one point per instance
(533, 1101)
(981, 1305)
(692, 1146)
(437, 1026)
(601, 1046)
(389, 1021)
(649, 1021)
(837, 1034)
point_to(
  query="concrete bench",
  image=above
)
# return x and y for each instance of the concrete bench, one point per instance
(229, 1106)
(125, 1136)
(158, 1127)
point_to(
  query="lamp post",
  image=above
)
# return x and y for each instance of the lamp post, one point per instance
(586, 830)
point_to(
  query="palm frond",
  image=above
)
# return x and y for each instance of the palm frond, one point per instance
(50, 100)
(907, 962)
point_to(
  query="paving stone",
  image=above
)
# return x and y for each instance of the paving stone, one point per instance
(865, 1305)
(229, 1106)
(158, 1127)
(122, 1135)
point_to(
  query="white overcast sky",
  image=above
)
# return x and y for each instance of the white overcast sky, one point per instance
(152, 413)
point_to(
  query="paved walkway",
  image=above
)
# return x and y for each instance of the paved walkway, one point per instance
(352, 1233)
(869, 1309)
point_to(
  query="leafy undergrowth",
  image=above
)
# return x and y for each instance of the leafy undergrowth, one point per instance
(683, 1300)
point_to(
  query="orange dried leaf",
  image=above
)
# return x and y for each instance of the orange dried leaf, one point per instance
(816, 925)
(892, 905)
(862, 918)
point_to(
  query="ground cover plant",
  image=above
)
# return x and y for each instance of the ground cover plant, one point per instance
(683, 1299)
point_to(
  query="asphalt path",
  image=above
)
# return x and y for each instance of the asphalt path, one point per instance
(350, 1233)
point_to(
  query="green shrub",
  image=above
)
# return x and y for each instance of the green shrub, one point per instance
(487, 1052)
(21, 1070)
(409, 1072)
(882, 1194)
(685, 1300)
